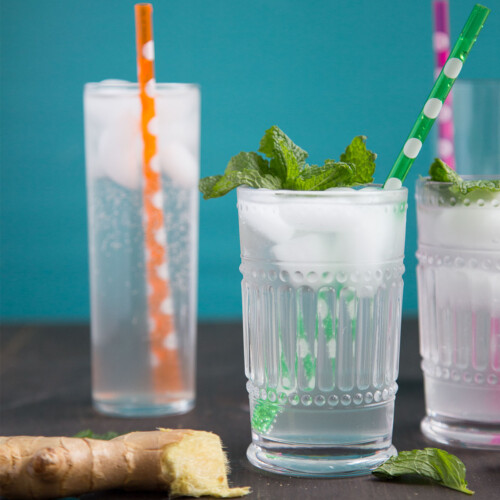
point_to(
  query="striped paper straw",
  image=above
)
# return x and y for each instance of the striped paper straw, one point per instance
(162, 334)
(439, 92)
(441, 44)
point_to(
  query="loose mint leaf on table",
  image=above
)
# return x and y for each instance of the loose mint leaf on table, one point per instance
(362, 158)
(92, 435)
(439, 171)
(285, 168)
(430, 463)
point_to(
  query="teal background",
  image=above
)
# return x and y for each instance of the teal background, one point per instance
(324, 71)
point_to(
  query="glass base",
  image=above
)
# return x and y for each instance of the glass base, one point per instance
(317, 462)
(124, 408)
(461, 433)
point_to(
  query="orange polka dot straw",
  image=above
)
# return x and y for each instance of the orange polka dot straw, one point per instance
(163, 338)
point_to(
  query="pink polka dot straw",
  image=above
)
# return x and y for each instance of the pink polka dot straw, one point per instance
(434, 104)
(441, 44)
(162, 334)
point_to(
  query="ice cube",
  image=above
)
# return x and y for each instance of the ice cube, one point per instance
(107, 109)
(266, 221)
(347, 234)
(179, 120)
(119, 150)
(179, 164)
(461, 227)
(116, 150)
(368, 234)
(369, 241)
(114, 145)
(317, 217)
(309, 248)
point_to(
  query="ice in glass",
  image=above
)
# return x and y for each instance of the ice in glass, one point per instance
(459, 312)
(322, 292)
(122, 359)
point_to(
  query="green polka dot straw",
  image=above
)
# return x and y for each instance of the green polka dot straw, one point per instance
(438, 95)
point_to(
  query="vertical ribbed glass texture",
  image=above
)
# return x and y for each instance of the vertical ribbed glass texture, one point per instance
(322, 291)
(459, 311)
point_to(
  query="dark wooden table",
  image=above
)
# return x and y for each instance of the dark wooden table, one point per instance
(45, 390)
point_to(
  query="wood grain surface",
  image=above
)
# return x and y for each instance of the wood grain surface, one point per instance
(45, 390)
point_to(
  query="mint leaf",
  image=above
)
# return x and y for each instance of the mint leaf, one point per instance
(439, 171)
(283, 152)
(292, 167)
(483, 185)
(332, 174)
(207, 184)
(361, 158)
(264, 415)
(285, 168)
(244, 168)
(92, 435)
(251, 161)
(235, 178)
(430, 463)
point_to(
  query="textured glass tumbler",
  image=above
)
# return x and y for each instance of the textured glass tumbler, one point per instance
(142, 366)
(322, 289)
(459, 314)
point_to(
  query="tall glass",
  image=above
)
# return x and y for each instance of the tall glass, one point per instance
(322, 290)
(459, 312)
(476, 108)
(123, 359)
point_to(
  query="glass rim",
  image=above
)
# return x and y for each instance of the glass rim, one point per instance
(119, 86)
(379, 195)
(425, 181)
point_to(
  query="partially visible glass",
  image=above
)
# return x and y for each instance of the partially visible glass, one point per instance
(122, 357)
(476, 111)
(459, 313)
(322, 293)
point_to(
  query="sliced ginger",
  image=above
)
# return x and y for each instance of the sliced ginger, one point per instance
(197, 466)
(184, 462)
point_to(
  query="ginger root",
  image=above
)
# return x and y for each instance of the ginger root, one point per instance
(184, 462)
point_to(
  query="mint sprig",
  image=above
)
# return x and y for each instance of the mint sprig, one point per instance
(286, 158)
(284, 167)
(364, 160)
(439, 171)
(430, 463)
(331, 174)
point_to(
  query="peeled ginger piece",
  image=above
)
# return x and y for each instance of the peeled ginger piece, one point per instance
(182, 461)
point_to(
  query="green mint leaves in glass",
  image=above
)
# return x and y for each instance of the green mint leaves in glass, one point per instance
(281, 164)
(440, 172)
